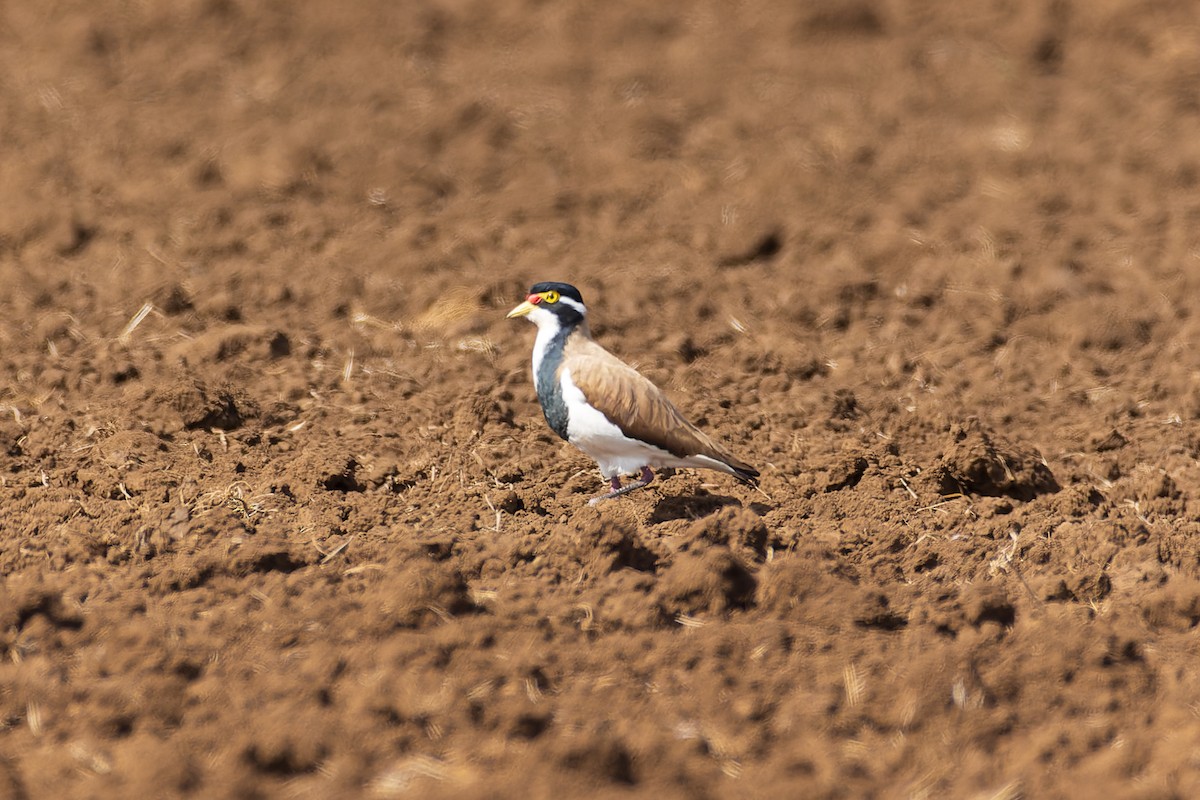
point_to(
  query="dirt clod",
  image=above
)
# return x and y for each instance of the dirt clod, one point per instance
(713, 580)
(201, 406)
(976, 462)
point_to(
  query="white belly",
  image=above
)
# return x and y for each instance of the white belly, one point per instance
(616, 453)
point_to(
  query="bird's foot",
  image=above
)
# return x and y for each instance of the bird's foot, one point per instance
(618, 489)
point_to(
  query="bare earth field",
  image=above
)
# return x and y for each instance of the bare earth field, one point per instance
(279, 514)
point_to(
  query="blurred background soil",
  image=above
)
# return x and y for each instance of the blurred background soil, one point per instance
(279, 515)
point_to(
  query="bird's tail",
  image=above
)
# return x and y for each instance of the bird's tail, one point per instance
(743, 472)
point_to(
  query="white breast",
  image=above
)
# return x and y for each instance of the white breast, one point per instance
(544, 335)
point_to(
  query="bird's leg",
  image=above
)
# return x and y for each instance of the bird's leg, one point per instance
(647, 478)
(618, 489)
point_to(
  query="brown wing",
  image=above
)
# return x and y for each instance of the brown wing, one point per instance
(637, 406)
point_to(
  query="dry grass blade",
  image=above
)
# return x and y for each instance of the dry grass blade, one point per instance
(137, 319)
(365, 320)
(499, 514)
(454, 304)
(33, 716)
(399, 779)
(478, 344)
(1009, 791)
(342, 546)
(854, 685)
(235, 497)
(949, 498)
(362, 568)
(1006, 555)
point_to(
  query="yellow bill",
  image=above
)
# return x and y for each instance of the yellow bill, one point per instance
(521, 310)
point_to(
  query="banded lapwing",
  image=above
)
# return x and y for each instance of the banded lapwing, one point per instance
(605, 407)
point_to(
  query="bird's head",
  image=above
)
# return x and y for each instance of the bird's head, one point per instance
(557, 305)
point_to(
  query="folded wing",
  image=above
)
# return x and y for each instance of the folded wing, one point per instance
(639, 408)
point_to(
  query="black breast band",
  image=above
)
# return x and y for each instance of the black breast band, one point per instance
(549, 390)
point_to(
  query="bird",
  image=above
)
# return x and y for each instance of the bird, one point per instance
(605, 407)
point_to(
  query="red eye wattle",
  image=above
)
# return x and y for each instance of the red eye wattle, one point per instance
(534, 298)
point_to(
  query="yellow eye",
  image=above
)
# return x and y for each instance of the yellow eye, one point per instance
(551, 297)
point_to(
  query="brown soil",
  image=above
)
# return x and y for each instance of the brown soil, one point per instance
(298, 529)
